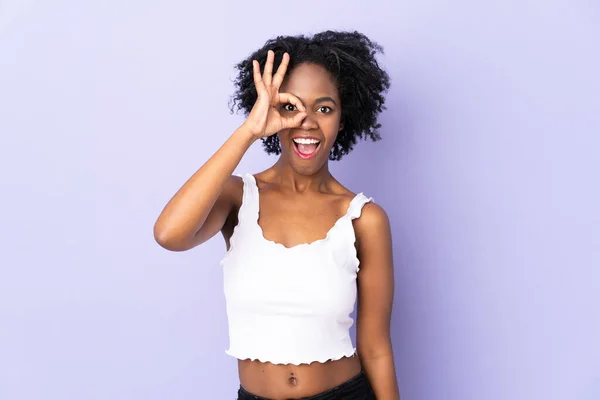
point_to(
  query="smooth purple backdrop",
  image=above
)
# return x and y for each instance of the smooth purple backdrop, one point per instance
(488, 168)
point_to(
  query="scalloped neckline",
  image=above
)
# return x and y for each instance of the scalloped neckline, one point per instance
(299, 245)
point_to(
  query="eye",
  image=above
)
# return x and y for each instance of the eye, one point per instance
(289, 107)
(324, 109)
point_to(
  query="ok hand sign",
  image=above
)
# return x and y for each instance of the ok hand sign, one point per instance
(264, 119)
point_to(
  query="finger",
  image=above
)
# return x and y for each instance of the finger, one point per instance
(258, 82)
(280, 74)
(268, 73)
(293, 122)
(285, 98)
(256, 71)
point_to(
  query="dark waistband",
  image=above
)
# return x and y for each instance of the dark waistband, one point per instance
(358, 383)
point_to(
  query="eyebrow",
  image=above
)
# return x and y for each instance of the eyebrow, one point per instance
(326, 98)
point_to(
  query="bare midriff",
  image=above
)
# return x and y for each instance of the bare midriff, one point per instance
(277, 381)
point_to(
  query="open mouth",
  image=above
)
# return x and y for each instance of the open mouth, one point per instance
(306, 147)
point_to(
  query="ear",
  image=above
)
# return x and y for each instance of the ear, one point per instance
(341, 126)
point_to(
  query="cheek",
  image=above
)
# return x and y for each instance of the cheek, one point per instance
(284, 140)
(331, 138)
(283, 134)
(333, 128)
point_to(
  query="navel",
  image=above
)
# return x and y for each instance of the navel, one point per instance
(292, 379)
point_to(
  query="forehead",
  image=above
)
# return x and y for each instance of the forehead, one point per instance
(309, 81)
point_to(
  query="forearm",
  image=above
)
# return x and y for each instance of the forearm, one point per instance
(382, 375)
(188, 209)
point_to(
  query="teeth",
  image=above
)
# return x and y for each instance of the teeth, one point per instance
(306, 141)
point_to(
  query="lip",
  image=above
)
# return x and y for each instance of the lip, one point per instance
(304, 156)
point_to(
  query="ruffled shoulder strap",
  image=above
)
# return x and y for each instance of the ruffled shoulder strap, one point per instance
(357, 204)
(249, 206)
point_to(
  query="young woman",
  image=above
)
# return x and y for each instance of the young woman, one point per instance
(301, 247)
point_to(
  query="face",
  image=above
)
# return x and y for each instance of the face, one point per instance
(307, 147)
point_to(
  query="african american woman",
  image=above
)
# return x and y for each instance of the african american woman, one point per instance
(302, 249)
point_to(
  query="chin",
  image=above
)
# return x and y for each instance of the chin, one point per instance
(306, 167)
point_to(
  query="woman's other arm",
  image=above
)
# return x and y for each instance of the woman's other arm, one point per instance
(375, 298)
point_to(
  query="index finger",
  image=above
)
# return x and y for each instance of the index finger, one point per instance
(290, 98)
(280, 74)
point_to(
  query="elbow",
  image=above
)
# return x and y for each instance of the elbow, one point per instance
(375, 349)
(162, 237)
(168, 240)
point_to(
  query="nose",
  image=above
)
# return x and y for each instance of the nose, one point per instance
(308, 123)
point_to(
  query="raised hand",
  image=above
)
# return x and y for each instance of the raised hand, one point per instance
(264, 119)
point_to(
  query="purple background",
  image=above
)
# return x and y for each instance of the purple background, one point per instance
(488, 169)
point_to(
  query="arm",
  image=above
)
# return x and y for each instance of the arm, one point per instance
(375, 298)
(201, 207)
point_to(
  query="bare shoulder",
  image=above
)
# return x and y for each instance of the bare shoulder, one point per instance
(233, 190)
(372, 221)
(235, 182)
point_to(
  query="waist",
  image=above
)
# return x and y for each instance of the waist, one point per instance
(275, 381)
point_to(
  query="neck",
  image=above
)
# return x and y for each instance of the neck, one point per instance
(293, 181)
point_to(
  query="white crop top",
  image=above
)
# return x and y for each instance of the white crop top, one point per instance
(290, 305)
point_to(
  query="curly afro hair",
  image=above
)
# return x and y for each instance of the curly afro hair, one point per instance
(350, 59)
